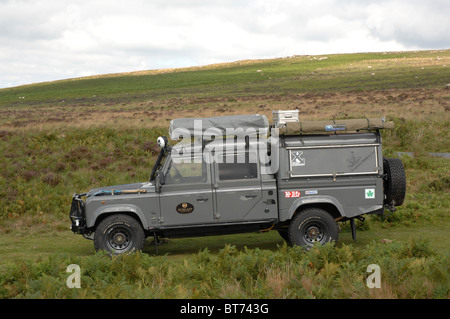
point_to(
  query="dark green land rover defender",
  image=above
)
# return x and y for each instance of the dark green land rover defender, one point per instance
(240, 173)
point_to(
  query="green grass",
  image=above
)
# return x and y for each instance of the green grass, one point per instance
(339, 72)
(61, 139)
(409, 269)
(29, 245)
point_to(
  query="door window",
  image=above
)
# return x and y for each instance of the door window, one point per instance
(239, 166)
(180, 172)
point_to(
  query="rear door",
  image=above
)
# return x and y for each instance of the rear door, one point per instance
(237, 188)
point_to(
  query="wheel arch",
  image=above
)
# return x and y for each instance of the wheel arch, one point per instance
(328, 207)
(104, 212)
(327, 203)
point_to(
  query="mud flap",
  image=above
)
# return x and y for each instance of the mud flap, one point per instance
(353, 225)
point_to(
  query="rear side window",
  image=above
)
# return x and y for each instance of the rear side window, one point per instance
(238, 166)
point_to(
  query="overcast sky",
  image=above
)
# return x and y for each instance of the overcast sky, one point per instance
(44, 40)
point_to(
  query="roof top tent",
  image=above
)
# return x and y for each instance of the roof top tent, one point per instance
(219, 134)
(219, 126)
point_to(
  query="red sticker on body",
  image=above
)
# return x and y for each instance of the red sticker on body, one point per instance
(292, 194)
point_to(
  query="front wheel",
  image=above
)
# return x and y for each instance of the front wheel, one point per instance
(118, 234)
(313, 225)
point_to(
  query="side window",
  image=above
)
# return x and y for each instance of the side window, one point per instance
(185, 173)
(238, 166)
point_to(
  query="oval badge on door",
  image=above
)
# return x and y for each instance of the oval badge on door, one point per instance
(185, 208)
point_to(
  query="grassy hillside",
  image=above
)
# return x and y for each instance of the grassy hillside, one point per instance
(61, 137)
(299, 74)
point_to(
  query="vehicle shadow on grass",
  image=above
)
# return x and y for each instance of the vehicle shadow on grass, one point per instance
(267, 240)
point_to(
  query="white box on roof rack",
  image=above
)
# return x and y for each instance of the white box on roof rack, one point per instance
(280, 117)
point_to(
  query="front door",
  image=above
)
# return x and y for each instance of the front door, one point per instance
(186, 196)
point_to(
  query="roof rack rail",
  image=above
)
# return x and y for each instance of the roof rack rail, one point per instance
(288, 123)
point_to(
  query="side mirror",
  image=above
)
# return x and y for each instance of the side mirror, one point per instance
(159, 181)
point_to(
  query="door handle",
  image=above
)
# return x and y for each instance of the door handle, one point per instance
(202, 200)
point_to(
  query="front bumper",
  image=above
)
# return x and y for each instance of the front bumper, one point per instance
(78, 215)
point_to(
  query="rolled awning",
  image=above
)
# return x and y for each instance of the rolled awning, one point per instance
(305, 127)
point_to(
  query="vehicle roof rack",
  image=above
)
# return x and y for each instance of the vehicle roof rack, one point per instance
(288, 123)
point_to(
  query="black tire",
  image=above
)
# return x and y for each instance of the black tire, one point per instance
(118, 234)
(312, 225)
(285, 235)
(395, 183)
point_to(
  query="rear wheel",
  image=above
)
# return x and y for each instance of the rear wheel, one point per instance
(118, 234)
(313, 225)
